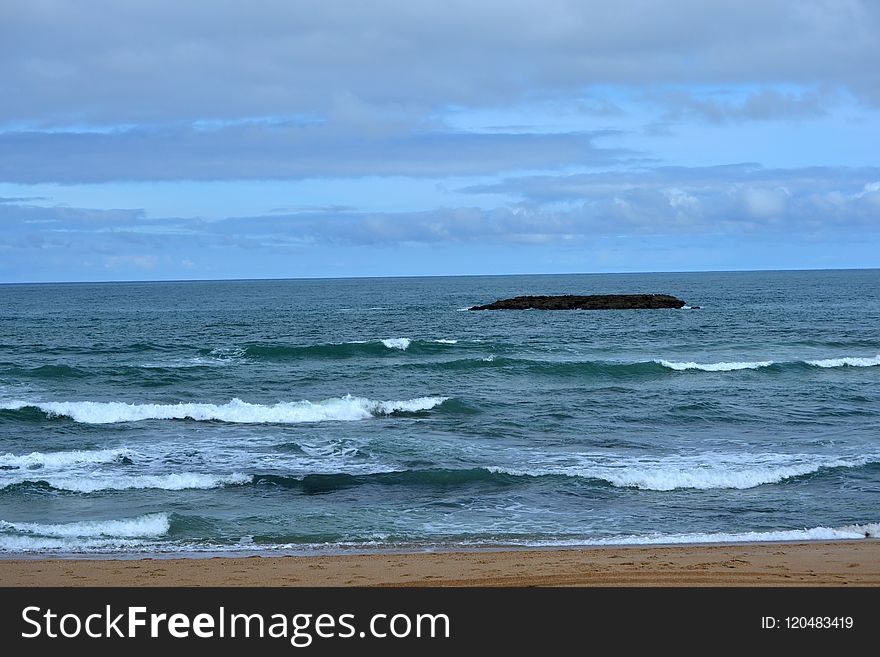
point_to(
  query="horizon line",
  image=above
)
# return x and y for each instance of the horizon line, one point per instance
(372, 277)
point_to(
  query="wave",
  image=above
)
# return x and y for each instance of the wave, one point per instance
(397, 343)
(376, 348)
(151, 525)
(846, 362)
(174, 481)
(36, 460)
(706, 471)
(569, 368)
(847, 532)
(127, 534)
(715, 367)
(23, 544)
(732, 366)
(442, 477)
(218, 357)
(701, 472)
(636, 369)
(150, 545)
(347, 408)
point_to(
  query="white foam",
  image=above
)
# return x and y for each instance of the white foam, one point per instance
(408, 406)
(154, 524)
(702, 471)
(848, 362)
(14, 404)
(714, 367)
(19, 544)
(488, 359)
(848, 532)
(397, 343)
(174, 481)
(446, 341)
(347, 408)
(219, 357)
(228, 353)
(63, 459)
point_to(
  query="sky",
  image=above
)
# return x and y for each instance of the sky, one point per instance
(213, 139)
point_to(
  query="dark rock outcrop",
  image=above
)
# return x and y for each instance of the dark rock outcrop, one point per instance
(591, 302)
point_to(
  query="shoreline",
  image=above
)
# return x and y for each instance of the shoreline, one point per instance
(810, 563)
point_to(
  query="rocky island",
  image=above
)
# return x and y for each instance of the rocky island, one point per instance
(590, 302)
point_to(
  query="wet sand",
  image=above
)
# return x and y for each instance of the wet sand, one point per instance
(839, 563)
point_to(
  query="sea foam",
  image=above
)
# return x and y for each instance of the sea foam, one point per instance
(846, 362)
(19, 544)
(723, 366)
(703, 471)
(397, 343)
(151, 525)
(347, 408)
(84, 536)
(36, 460)
(847, 532)
(173, 481)
(715, 367)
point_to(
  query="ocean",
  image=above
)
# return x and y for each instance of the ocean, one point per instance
(324, 416)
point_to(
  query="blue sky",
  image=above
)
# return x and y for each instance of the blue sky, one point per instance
(150, 140)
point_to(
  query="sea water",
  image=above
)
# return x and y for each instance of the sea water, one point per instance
(328, 415)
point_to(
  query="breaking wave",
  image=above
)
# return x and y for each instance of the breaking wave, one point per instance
(397, 343)
(715, 367)
(347, 408)
(154, 524)
(846, 362)
(704, 471)
(847, 532)
(84, 536)
(100, 482)
(707, 471)
(36, 460)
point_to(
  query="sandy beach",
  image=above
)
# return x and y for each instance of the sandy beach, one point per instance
(840, 563)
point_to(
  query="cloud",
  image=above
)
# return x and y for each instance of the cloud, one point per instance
(743, 201)
(721, 214)
(157, 61)
(20, 212)
(21, 199)
(696, 181)
(259, 151)
(762, 105)
(738, 201)
(122, 262)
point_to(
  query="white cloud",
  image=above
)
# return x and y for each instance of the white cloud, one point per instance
(129, 261)
(764, 203)
(737, 201)
(152, 61)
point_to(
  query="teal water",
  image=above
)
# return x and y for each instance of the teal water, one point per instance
(302, 415)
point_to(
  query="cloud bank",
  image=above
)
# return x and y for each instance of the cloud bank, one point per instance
(742, 201)
(542, 130)
(160, 60)
(263, 151)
